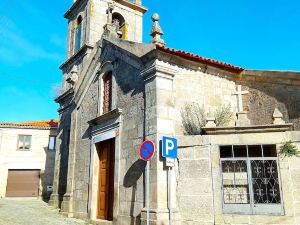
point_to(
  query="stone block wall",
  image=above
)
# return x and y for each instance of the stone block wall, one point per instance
(199, 180)
(128, 95)
(61, 158)
(130, 92)
(264, 97)
(209, 91)
(80, 145)
(194, 187)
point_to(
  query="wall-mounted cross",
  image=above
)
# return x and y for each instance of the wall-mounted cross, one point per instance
(240, 94)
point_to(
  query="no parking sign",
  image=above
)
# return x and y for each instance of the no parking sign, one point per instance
(147, 150)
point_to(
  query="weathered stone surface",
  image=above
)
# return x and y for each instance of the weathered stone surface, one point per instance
(151, 87)
(265, 97)
(192, 168)
(196, 208)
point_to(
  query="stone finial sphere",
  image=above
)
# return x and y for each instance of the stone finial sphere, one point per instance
(155, 17)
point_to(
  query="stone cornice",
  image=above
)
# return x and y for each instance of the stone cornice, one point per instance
(132, 5)
(65, 95)
(158, 70)
(248, 129)
(76, 4)
(105, 117)
(65, 100)
(74, 57)
(275, 77)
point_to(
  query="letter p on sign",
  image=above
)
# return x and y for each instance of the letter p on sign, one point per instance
(169, 147)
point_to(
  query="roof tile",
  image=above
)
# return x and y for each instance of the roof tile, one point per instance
(201, 59)
(40, 123)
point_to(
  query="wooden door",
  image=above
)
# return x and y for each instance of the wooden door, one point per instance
(23, 183)
(106, 179)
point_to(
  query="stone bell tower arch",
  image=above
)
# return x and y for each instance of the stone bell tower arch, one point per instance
(95, 14)
(89, 20)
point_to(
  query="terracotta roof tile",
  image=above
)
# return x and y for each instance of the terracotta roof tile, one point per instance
(40, 123)
(201, 59)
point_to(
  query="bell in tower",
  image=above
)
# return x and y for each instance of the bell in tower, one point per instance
(97, 16)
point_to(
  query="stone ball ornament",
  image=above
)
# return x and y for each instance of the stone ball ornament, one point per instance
(155, 17)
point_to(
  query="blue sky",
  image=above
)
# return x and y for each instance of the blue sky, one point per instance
(255, 34)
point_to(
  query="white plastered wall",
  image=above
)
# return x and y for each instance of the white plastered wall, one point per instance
(10, 158)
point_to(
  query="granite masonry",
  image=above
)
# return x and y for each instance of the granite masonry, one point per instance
(118, 92)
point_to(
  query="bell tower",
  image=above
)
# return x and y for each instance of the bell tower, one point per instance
(87, 20)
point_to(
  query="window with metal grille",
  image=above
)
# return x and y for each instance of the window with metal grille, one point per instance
(250, 179)
(107, 92)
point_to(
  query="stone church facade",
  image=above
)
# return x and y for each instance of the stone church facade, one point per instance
(118, 92)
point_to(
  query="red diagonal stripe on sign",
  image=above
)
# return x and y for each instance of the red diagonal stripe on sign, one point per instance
(147, 150)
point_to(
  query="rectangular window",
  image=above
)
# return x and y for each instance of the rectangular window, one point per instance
(250, 179)
(24, 143)
(52, 142)
(107, 92)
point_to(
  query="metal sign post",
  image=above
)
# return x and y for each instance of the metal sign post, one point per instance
(147, 151)
(169, 151)
(169, 196)
(147, 191)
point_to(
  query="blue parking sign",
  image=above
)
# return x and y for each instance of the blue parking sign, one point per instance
(169, 147)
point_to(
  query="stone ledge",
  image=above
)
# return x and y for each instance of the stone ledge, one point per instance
(64, 95)
(133, 6)
(75, 56)
(248, 129)
(105, 117)
(100, 222)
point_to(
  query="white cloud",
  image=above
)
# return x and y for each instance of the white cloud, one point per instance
(15, 48)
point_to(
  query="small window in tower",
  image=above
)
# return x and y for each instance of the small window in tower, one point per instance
(107, 92)
(78, 33)
(119, 21)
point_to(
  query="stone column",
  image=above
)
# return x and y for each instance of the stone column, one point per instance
(159, 97)
(67, 204)
(54, 198)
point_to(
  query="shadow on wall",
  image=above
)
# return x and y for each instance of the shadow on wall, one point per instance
(48, 174)
(64, 137)
(264, 98)
(130, 181)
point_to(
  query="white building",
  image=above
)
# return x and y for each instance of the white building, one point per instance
(27, 152)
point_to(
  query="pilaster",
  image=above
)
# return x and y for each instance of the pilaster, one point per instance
(67, 204)
(159, 98)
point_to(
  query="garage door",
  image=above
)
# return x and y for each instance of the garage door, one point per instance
(23, 183)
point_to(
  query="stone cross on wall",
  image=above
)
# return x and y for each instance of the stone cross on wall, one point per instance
(240, 94)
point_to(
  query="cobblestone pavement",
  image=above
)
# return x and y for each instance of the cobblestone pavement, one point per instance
(22, 211)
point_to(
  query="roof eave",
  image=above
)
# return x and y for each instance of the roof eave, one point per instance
(196, 58)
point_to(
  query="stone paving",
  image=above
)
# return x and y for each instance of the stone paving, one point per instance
(22, 211)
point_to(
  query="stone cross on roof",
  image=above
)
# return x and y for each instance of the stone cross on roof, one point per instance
(240, 94)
